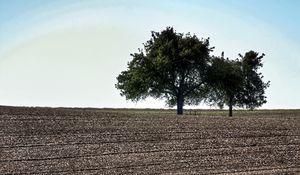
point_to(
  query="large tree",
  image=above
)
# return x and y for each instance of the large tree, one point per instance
(172, 66)
(237, 82)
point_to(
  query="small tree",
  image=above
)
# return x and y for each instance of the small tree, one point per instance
(225, 80)
(237, 82)
(172, 66)
(253, 93)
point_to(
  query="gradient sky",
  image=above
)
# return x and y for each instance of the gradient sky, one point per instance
(69, 52)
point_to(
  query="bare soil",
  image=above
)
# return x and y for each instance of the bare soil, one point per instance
(92, 141)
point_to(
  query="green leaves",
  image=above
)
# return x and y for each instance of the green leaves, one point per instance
(171, 65)
(178, 67)
(237, 82)
(252, 95)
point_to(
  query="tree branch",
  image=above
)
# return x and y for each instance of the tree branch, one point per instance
(192, 88)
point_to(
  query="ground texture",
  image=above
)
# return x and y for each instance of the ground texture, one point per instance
(89, 141)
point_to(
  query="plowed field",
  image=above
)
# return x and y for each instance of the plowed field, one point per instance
(90, 141)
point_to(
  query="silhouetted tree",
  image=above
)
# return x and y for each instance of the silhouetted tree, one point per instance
(225, 80)
(172, 66)
(237, 82)
(253, 93)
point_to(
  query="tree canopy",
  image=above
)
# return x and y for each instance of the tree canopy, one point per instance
(172, 66)
(237, 82)
(178, 67)
(225, 80)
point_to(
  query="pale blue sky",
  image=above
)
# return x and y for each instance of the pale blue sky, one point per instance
(68, 52)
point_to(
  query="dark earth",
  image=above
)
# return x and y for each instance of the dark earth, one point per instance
(115, 141)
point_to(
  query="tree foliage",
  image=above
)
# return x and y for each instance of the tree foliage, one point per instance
(253, 93)
(225, 80)
(178, 68)
(172, 66)
(237, 82)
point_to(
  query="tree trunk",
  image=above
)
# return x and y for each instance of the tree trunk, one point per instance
(230, 106)
(180, 101)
